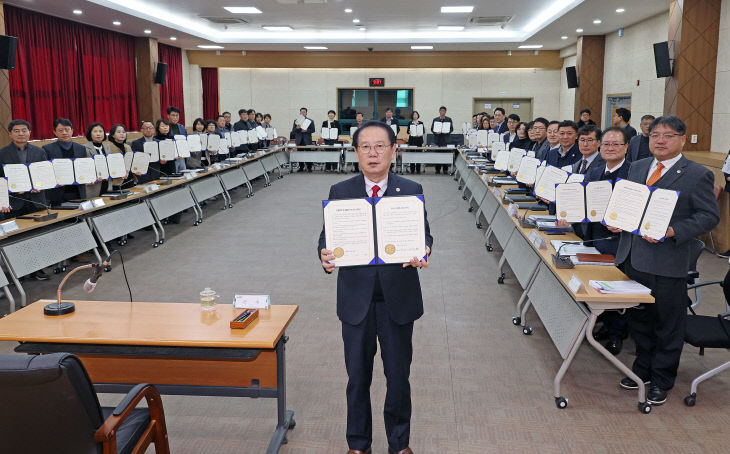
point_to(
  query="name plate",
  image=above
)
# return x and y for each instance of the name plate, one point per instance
(151, 188)
(513, 211)
(189, 176)
(497, 193)
(9, 226)
(451, 145)
(87, 205)
(98, 203)
(537, 240)
(576, 285)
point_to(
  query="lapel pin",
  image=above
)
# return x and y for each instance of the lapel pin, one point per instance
(679, 171)
(397, 189)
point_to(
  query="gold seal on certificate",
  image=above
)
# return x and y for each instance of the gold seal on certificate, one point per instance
(593, 212)
(13, 186)
(613, 216)
(338, 252)
(647, 226)
(563, 214)
(389, 249)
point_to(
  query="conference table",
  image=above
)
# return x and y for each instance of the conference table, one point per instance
(564, 301)
(175, 346)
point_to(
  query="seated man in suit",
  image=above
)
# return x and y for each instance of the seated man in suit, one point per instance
(621, 119)
(64, 148)
(658, 328)
(568, 153)
(147, 128)
(553, 137)
(541, 144)
(227, 118)
(377, 302)
(639, 144)
(585, 118)
(589, 140)
(242, 125)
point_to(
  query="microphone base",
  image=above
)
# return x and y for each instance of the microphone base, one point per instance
(120, 196)
(40, 217)
(59, 309)
(562, 262)
(527, 224)
(164, 182)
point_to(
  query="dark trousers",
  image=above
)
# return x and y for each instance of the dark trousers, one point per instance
(658, 328)
(396, 351)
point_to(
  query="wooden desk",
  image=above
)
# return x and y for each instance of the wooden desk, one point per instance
(172, 345)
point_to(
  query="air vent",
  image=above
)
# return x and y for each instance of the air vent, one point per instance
(225, 20)
(490, 20)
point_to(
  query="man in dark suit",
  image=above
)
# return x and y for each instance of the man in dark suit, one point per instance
(639, 144)
(513, 120)
(621, 118)
(242, 125)
(568, 152)
(148, 135)
(377, 302)
(585, 118)
(541, 145)
(303, 136)
(227, 118)
(499, 116)
(251, 125)
(178, 129)
(64, 148)
(589, 140)
(390, 120)
(658, 328)
(442, 139)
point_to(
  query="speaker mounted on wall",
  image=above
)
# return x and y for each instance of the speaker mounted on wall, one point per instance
(161, 73)
(662, 60)
(8, 49)
(572, 76)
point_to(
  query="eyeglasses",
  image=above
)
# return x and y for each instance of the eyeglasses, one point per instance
(665, 136)
(586, 140)
(378, 147)
(612, 144)
(538, 128)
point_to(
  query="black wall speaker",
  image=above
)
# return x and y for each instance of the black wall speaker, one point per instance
(8, 48)
(661, 59)
(161, 73)
(572, 76)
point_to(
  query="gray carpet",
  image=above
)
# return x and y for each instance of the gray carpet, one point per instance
(479, 385)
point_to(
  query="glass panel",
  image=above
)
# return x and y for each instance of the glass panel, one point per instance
(372, 104)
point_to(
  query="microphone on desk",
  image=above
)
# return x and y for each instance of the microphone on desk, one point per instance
(164, 182)
(66, 307)
(37, 218)
(563, 261)
(119, 193)
(98, 268)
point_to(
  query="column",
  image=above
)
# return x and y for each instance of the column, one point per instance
(589, 67)
(148, 93)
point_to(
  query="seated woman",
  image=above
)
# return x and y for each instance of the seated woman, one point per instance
(118, 144)
(163, 132)
(195, 161)
(521, 141)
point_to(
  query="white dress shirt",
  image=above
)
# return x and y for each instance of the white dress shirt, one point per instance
(381, 184)
(618, 166)
(668, 163)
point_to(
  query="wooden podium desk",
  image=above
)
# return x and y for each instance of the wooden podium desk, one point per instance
(174, 346)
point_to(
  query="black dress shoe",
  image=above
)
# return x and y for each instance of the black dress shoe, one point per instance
(627, 383)
(601, 334)
(40, 276)
(656, 395)
(614, 346)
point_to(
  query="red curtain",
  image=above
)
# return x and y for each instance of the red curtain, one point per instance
(71, 70)
(171, 92)
(210, 92)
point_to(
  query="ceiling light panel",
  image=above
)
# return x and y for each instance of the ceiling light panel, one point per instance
(242, 9)
(456, 9)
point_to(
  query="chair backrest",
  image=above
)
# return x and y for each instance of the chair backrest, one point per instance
(695, 249)
(47, 405)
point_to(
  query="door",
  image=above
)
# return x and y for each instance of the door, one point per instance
(614, 102)
(519, 106)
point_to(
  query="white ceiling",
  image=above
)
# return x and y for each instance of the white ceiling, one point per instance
(390, 24)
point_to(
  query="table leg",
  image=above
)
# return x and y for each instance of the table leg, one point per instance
(561, 401)
(285, 418)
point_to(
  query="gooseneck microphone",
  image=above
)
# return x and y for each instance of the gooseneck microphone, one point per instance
(66, 307)
(37, 217)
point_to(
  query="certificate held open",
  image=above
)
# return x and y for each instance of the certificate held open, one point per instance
(348, 226)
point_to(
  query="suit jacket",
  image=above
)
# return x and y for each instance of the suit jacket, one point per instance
(355, 284)
(502, 128)
(69, 192)
(696, 213)
(9, 155)
(630, 130)
(393, 121)
(303, 136)
(442, 140)
(240, 125)
(634, 152)
(178, 130)
(554, 158)
(541, 149)
(597, 163)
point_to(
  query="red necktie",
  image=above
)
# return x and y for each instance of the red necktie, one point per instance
(376, 189)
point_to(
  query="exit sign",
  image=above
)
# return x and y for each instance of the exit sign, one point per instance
(377, 82)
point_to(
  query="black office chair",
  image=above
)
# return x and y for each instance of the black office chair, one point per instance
(708, 332)
(48, 404)
(696, 247)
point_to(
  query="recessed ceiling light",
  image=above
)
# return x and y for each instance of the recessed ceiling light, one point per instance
(356, 21)
(596, 21)
(579, 30)
(451, 28)
(563, 37)
(172, 38)
(457, 9)
(242, 9)
(421, 47)
(278, 28)
(78, 11)
(620, 10)
(348, 10)
(315, 47)
(116, 22)
(530, 46)
(148, 31)
(362, 29)
(209, 46)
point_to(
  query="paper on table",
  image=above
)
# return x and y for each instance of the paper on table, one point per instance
(502, 161)
(214, 142)
(570, 202)
(115, 163)
(400, 227)
(261, 132)
(527, 171)
(85, 170)
(545, 186)
(4, 196)
(140, 163)
(598, 193)
(658, 213)
(194, 142)
(305, 124)
(64, 170)
(102, 169)
(152, 149)
(42, 176)
(515, 157)
(182, 146)
(575, 178)
(626, 205)
(251, 136)
(128, 160)
(168, 152)
(415, 130)
(617, 287)
(567, 248)
(348, 227)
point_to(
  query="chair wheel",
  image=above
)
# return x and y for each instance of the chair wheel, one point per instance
(690, 400)
(63, 269)
(516, 321)
(561, 402)
(459, 188)
(479, 225)
(470, 210)
(293, 424)
(162, 241)
(230, 205)
(645, 408)
(107, 268)
(527, 330)
(195, 223)
(56, 270)
(463, 197)
(489, 248)
(155, 244)
(500, 279)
